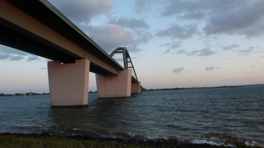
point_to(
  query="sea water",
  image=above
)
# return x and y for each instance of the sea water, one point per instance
(179, 114)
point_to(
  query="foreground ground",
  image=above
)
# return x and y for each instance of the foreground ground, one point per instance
(45, 140)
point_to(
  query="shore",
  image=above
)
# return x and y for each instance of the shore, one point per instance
(47, 140)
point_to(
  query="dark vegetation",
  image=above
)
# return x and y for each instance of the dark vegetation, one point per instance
(24, 94)
(186, 88)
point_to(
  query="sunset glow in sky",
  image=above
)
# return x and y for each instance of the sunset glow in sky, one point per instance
(172, 43)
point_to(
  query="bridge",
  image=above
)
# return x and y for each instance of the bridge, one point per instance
(37, 27)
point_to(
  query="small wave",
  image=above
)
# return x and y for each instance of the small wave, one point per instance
(209, 142)
(174, 126)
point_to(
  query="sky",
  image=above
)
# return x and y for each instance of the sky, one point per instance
(172, 43)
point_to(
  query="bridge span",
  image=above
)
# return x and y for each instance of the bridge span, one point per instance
(37, 27)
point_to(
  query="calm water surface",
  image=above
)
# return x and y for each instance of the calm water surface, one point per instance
(182, 114)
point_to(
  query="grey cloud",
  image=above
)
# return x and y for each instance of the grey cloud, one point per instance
(9, 50)
(244, 20)
(43, 68)
(194, 7)
(142, 6)
(206, 52)
(232, 46)
(252, 66)
(179, 32)
(178, 70)
(16, 58)
(194, 52)
(202, 52)
(209, 68)
(245, 51)
(167, 51)
(83, 11)
(4, 56)
(172, 45)
(221, 16)
(182, 51)
(32, 58)
(130, 23)
(110, 37)
(192, 15)
(218, 67)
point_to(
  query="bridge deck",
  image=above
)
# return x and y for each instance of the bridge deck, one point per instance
(44, 12)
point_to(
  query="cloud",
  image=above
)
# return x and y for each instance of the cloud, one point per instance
(244, 20)
(130, 23)
(16, 58)
(232, 46)
(192, 15)
(182, 51)
(85, 10)
(43, 68)
(206, 52)
(194, 52)
(4, 56)
(178, 70)
(109, 37)
(9, 50)
(11, 54)
(32, 58)
(171, 45)
(245, 51)
(199, 8)
(221, 16)
(167, 51)
(142, 6)
(218, 67)
(209, 68)
(202, 52)
(176, 31)
(252, 66)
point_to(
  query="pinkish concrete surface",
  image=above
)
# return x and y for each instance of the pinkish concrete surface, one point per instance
(135, 88)
(69, 83)
(114, 86)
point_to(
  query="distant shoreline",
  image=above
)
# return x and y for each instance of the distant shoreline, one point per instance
(22, 94)
(188, 88)
(143, 90)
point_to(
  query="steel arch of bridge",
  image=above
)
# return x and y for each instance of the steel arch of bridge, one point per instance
(126, 59)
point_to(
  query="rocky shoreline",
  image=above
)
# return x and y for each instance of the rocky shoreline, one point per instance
(174, 143)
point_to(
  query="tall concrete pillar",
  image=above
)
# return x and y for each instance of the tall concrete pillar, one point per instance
(135, 88)
(114, 86)
(68, 83)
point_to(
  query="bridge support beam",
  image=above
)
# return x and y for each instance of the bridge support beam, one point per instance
(135, 88)
(115, 86)
(68, 83)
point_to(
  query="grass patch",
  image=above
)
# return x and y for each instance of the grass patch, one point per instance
(20, 142)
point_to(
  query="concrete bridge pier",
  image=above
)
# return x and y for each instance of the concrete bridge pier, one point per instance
(135, 88)
(114, 86)
(68, 83)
